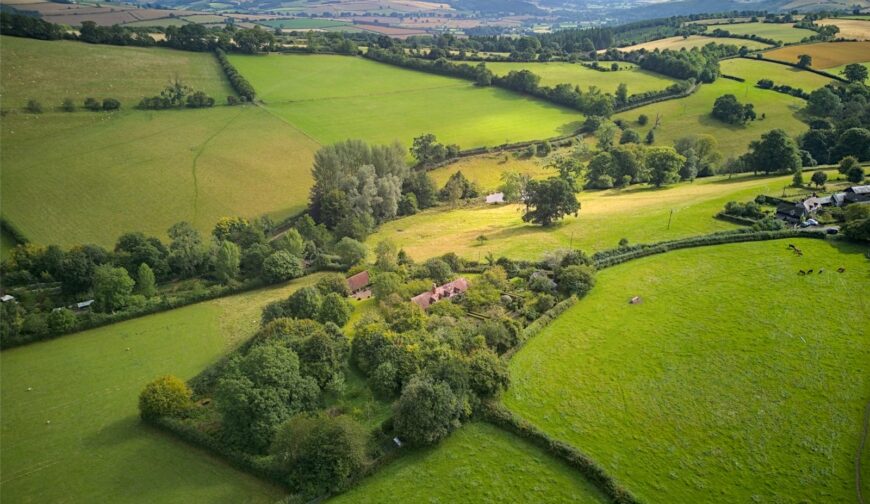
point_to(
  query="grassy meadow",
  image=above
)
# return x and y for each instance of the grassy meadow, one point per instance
(692, 115)
(478, 463)
(825, 54)
(637, 80)
(759, 400)
(785, 33)
(49, 71)
(106, 174)
(70, 426)
(639, 213)
(332, 98)
(485, 170)
(754, 70)
(677, 43)
(858, 29)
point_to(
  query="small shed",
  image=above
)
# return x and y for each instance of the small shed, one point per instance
(495, 198)
(83, 305)
(7, 298)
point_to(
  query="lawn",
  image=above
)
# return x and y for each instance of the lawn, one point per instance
(825, 54)
(754, 70)
(637, 80)
(677, 43)
(70, 430)
(87, 178)
(693, 115)
(51, 71)
(478, 463)
(760, 399)
(640, 214)
(785, 33)
(333, 98)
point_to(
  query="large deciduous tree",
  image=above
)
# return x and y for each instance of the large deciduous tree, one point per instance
(550, 200)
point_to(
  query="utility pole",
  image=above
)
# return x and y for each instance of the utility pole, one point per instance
(671, 216)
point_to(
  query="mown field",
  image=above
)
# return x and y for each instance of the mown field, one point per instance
(87, 178)
(640, 214)
(693, 114)
(478, 463)
(754, 70)
(333, 98)
(637, 80)
(677, 43)
(825, 55)
(858, 29)
(49, 71)
(485, 170)
(70, 428)
(785, 33)
(758, 400)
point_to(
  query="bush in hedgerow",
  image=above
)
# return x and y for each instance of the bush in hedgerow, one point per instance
(281, 266)
(165, 396)
(576, 280)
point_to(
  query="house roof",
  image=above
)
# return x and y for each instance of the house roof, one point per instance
(861, 189)
(426, 299)
(358, 281)
(791, 209)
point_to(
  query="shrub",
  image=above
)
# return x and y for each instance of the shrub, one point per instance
(427, 411)
(93, 104)
(333, 282)
(335, 308)
(33, 107)
(576, 280)
(165, 396)
(199, 100)
(61, 320)
(111, 104)
(68, 105)
(488, 374)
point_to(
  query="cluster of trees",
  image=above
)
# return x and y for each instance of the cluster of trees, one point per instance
(728, 109)
(632, 163)
(427, 151)
(357, 186)
(175, 95)
(700, 64)
(68, 105)
(750, 210)
(126, 279)
(18, 25)
(841, 123)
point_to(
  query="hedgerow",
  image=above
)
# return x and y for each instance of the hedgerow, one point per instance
(237, 80)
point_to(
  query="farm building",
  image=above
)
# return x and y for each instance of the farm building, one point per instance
(437, 293)
(358, 285)
(792, 213)
(857, 194)
(495, 198)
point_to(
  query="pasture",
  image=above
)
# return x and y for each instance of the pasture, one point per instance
(759, 400)
(785, 33)
(89, 177)
(332, 98)
(640, 214)
(485, 170)
(70, 426)
(825, 55)
(692, 114)
(754, 70)
(677, 43)
(50, 71)
(637, 80)
(478, 463)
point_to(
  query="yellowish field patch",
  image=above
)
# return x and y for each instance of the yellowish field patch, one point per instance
(486, 170)
(849, 28)
(824, 54)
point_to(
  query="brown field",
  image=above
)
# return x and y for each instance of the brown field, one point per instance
(850, 28)
(677, 43)
(105, 19)
(825, 54)
(390, 30)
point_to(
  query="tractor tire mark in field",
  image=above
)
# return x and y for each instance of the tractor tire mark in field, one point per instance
(288, 123)
(199, 152)
(861, 446)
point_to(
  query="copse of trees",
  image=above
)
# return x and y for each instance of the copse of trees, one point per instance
(727, 109)
(702, 64)
(841, 123)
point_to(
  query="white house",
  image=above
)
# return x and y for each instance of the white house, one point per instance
(495, 198)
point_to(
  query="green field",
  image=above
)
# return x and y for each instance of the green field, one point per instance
(692, 115)
(640, 214)
(70, 428)
(776, 31)
(87, 178)
(485, 170)
(735, 379)
(637, 80)
(52, 71)
(163, 22)
(478, 463)
(754, 70)
(333, 98)
(838, 70)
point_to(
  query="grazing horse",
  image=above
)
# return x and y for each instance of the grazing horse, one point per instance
(802, 272)
(841, 270)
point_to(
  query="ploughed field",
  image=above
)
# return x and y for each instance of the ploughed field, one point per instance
(641, 214)
(551, 74)
(333, 98)
(734, 380)
(70, 427)
(478, 463)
